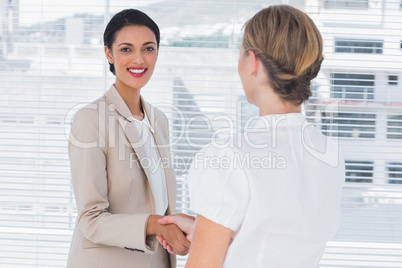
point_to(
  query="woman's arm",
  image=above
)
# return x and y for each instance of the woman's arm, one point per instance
(209, 245)
(88, 153)
(90, 182)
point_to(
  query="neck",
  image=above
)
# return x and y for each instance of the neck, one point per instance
(132, 99)
(270, 103)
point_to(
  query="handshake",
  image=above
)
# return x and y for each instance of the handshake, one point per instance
(178, 233)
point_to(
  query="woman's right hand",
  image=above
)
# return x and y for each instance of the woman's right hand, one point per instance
(172, 234)
(184, 222)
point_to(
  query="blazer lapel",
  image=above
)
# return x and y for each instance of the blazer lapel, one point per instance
(135, 140)
(126, 121)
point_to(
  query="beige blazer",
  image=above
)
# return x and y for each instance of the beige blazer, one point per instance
(114, 198)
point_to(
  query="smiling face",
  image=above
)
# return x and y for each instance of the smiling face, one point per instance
(134, 54)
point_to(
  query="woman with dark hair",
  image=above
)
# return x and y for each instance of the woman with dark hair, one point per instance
(120, 160)
(274, 201)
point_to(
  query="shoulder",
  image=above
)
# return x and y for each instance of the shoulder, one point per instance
(217, 165)
(91, 109)
(231, 146)
(218, 149)
(218, 188)
(89, 114)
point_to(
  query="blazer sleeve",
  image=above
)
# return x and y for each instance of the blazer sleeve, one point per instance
(87, 152)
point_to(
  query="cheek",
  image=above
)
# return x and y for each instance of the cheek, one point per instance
(120, 60)
(240, 66)
(151, 59)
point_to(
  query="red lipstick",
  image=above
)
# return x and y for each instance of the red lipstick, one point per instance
(137, 72)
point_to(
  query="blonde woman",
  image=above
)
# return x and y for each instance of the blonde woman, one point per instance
(256, 212)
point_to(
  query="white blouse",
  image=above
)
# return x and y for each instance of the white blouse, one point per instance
(158, 179)
(278, 187)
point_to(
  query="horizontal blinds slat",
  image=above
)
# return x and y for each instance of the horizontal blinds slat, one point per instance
(33, 147)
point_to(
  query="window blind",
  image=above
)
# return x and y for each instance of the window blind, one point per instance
(52, 62)
(361, 74)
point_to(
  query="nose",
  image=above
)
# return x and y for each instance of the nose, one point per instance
(137, 58)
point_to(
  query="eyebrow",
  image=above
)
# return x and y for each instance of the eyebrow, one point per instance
(129, 44)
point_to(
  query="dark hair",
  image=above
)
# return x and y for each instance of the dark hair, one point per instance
(289, 45)
(124, 18)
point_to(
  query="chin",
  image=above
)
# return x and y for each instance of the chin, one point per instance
(138, 85)
(250, 100)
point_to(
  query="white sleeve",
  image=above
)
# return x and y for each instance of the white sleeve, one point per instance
(218, 188)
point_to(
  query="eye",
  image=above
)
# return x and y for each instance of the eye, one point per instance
(126, 49)
(149, 48)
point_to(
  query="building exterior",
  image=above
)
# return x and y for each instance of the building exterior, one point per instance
(9, 21)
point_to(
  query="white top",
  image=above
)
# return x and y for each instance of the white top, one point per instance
(158, 179)
(278, 188)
